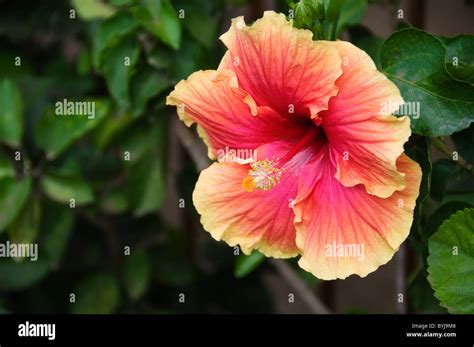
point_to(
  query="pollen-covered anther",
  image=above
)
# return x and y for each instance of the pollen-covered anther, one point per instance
(248, 184)
(263, 175)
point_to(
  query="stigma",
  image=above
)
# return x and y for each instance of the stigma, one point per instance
(263, 175)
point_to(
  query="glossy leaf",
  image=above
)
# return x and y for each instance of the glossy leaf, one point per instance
(442, 214)
(414, 60)
(451, 262)
(460, 57)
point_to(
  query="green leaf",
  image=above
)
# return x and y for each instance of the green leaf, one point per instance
(147, 185)
(414, 60)
(18, 276)
(63, 187)
(13, 196)
(11, 114)
(6, 167)
(160, 19)
(146, 84)
(202, 27)
(403, 24)
(245, 264)
(97, 294)
(109, 33)
(25, 228)
(443, 213)
(136, 274)
(146, 169)
(451, 262)
(460, 57)
(56, 227)
(55, 133)
(464, 141)
(93, 9)
(352, 13)
(118, 65)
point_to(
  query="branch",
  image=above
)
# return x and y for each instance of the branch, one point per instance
(192, 144)
(400, 278)
(442, 147)
(292, 278)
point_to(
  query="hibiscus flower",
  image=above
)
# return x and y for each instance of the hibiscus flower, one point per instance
(328, 180)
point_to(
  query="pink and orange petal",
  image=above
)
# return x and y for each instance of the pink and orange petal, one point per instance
(280, 66)
(330, 215)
